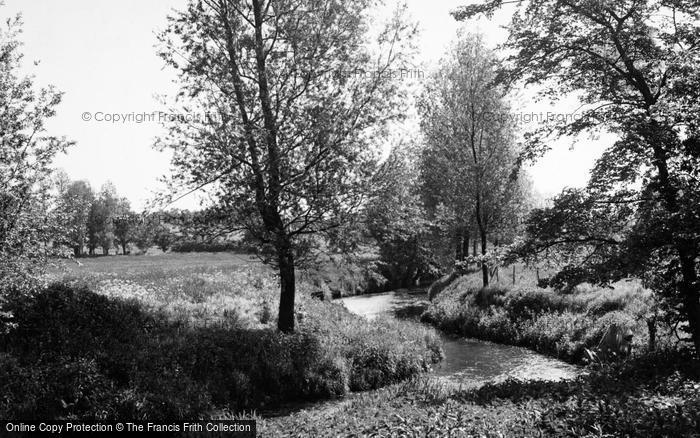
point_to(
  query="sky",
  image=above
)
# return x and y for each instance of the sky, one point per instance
(102, 55)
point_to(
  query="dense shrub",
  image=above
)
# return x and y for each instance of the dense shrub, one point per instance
(544, 320)
(197, 246)
(488, 296)
(125, 355)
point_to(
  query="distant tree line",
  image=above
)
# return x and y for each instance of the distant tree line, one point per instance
(90, 223)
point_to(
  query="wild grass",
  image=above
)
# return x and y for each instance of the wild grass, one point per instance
(654, 395)
(179, 336)
(545, 320)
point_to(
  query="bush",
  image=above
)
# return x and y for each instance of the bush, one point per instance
(488, 296)
(530, 303)
(544, 320)
(195, 246)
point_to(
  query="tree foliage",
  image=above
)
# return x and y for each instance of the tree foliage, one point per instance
(26, 153)
(74, 210)
(635, 66)
(470, 165)
(397, 221)
(296, 102)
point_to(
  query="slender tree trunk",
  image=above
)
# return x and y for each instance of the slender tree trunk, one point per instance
(482, 233)
(474, 252)
(484, 266)
(465, 244)
(459, 246)
(285, 322)
(271, 215)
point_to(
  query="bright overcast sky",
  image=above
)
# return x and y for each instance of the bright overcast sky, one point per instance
(101, 54)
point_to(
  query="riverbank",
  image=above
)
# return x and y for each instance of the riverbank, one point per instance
(651, 394)
(177, 336)
(549, 322)
(467, 361)
(654, 395)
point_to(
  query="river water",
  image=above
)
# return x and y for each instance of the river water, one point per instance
(468, 361)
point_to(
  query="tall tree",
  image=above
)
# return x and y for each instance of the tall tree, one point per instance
(26, 153)
(125, 223)
(635, 64)
(298, 93)
(74, 205)
(106, 205)
(470, 163)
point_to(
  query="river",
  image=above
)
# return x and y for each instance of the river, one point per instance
(468, 361)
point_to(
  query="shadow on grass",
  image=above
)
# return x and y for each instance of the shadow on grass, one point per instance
(76, 354)
(654, 395)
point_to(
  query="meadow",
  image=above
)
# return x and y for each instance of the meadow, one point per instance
(182, 336)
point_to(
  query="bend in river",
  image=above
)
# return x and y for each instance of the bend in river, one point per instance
(469, 361)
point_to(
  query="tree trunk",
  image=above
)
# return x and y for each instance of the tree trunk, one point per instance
(651, 326)
(691, 298)
(465, 244)
(482, 233)
(484, 266)
(689, 287)
(459, 246)
(285, 322)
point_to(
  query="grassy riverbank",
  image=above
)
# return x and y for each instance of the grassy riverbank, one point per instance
(178, 336)
(651, 396)
(552, 323)
(654, 393)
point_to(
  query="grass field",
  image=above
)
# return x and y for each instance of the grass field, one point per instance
(144, 266)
